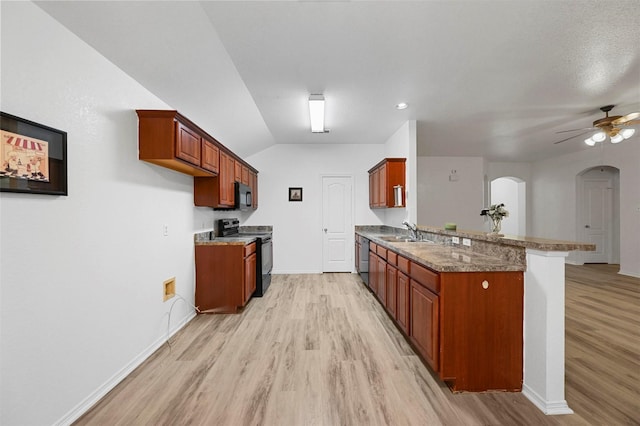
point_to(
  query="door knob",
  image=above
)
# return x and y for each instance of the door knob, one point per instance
(325, 230)
(587, 226)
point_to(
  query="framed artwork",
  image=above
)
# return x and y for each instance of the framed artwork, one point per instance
(295, 194)
(33, 157)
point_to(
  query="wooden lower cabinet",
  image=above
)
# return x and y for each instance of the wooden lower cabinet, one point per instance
(481, 340)
(249, 275)
(402, 302)
(424, 317)
(467, 326)
(225, 276)
(373, 269)
(392, 284)
(381, 272)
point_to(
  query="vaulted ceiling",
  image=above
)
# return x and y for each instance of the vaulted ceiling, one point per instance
(496, 79)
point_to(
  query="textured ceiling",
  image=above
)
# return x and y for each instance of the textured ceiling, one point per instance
(482, 78)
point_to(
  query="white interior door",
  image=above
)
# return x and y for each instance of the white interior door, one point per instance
(337, 224)
(597, 219)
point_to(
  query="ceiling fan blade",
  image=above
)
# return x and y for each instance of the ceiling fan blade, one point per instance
(630, 123)
(626, 118)
(571, 137)
(576, 130)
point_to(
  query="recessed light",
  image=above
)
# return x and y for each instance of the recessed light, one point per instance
(402, 105)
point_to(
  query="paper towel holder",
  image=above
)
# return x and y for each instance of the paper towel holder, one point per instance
(397, 196)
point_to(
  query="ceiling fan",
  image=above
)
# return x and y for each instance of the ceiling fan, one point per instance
(616, 127)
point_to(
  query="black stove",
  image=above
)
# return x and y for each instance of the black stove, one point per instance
(230, 228)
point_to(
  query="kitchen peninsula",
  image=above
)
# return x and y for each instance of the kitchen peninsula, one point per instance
(508, 290)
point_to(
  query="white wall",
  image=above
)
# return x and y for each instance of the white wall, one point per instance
(441, 200)
(81, 276)
(554, 183)
(403, 144)
(297, 226)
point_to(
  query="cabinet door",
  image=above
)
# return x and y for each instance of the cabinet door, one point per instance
(245, 175)
(249, 276)
(402, 302)
(382, 186)
(253, 183)
(210, 156)
(237, 171)
(373, 272)
(424, 323)
(188, 145)
(225, 177)
(375, 188)
(382, 280)
(392, 280)
(357, 255)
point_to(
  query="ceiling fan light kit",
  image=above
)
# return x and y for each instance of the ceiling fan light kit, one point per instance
(614, 127)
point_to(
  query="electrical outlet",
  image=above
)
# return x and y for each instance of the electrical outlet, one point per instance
(466, 242)
(169, 289)
(455, 240)
(165, 230)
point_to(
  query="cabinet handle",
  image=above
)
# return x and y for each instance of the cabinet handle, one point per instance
(485, 284)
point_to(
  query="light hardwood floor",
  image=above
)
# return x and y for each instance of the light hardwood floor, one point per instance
(319, 350)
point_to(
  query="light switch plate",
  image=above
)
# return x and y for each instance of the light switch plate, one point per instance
(455, 240)
(466, 242)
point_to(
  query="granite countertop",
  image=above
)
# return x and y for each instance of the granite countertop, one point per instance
(534, 243)
(443, 258)
(204, 239)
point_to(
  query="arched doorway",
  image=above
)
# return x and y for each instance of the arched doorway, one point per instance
(598, 213)
(511, 191)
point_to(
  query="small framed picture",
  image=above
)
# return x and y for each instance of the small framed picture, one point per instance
(295, 194)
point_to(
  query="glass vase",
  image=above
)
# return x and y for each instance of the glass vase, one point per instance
(496, 225)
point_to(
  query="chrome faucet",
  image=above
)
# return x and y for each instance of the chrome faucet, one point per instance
(412, 228)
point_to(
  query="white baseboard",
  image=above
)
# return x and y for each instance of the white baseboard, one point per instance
(629, 273)
(550, 408)
(573, 262)
(295, 271)
(99, 393)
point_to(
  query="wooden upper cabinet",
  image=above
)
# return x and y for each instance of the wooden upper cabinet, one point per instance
(170, 140)
(210, 156)
(237, 171)
(227, 166)
(188, 144)
(253, 184)
(245, 175)
(383, 177)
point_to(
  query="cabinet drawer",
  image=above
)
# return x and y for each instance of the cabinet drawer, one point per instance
(425, 277)
(403, 264)
(392, 258)
(382, 252)
(249, 248)
(373, 247)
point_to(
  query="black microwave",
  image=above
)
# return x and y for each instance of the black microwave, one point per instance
(243, 197)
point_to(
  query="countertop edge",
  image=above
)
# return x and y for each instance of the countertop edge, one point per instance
(542, 244)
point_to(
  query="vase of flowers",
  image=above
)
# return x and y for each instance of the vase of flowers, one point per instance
(495, 212)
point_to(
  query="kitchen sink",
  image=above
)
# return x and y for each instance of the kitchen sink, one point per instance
(399, 239)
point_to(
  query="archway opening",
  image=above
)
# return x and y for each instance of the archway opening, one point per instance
(511, 191)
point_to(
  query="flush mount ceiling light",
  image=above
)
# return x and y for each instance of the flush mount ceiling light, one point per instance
(402, 105)
(316, 113)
